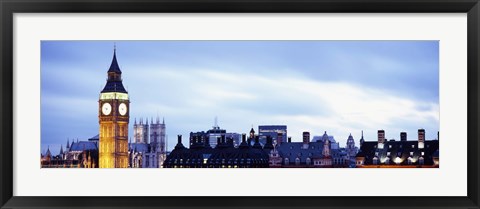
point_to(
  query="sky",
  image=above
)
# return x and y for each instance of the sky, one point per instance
(341, 87)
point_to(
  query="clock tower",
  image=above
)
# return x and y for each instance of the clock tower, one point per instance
(113, 116)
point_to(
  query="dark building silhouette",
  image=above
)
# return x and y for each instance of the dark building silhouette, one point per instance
(224, 155)
(403, 153)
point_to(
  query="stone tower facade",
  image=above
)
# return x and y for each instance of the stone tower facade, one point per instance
(140, 131)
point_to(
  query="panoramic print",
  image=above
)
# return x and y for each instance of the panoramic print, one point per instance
(239, 104)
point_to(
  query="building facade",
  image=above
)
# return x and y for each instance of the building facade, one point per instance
(224, 155)
(149, 148)
(276, 132)
(401, 153)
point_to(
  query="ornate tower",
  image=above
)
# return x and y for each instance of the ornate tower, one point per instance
(113, 116)
(351, 151)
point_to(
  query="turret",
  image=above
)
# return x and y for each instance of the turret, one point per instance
(326, 148)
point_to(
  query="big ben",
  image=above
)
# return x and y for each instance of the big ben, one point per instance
(113, 116)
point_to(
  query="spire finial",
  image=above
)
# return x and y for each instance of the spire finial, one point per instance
(114, 47)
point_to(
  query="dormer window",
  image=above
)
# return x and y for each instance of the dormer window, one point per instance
(297, 161)
(420, 160)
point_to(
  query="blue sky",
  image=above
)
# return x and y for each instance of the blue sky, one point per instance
(341, 87)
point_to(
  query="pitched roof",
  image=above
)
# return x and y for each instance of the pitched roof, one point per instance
(83, 145)
(138, 147)
(114, 66)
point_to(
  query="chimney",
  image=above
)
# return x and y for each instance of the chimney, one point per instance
(180, 139)
(421, 138)
(306, 137)
(421, 135)
(289, 139)
(403, 136)
(381, 136)
(244, 138)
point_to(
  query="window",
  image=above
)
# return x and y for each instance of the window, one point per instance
(388, 153)
(286, 161)
(423, 153)
(420, 160)
(375, 160)
(413, 146)
(297, 161)
(409, 160)
(308, 161)
(390, 146)
(411, 153)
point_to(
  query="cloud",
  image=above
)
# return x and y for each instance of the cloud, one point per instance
(196, 96)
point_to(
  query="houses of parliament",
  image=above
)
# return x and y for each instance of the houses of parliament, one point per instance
(111, 147)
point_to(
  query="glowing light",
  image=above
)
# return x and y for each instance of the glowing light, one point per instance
(398, 160)
(114, 95)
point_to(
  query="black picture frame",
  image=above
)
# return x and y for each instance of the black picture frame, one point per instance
(10, 7)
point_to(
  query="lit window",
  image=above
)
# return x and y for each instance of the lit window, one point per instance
(411, 153)
(423, 153)
(388, 153)
(413, 146)
(389, 146)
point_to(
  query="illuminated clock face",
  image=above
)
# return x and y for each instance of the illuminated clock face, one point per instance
(122, 108)
(106, 108)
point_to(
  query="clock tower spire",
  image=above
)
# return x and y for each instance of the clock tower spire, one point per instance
(113, 117)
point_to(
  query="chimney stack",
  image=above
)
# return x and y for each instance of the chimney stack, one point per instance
(289, 139)
(179, 139)
(421, 138)
(403, 136)
(381, 136)
(306, 137)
